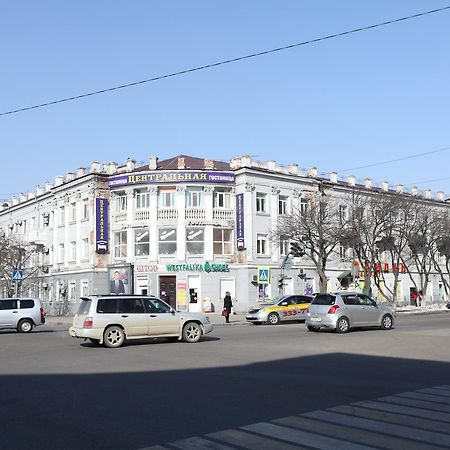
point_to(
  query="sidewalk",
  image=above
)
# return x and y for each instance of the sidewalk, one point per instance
(239, 318)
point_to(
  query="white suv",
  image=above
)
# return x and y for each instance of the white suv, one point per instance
(22, 314)
(110, 319)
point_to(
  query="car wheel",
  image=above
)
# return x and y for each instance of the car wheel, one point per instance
(343, 325)
(25, 326)
(192, 332)
(94, 341)
(311, 328)
(113, 337)
(273, 319)
(387, 322)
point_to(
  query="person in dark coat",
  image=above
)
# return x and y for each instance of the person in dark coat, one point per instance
(227, 305)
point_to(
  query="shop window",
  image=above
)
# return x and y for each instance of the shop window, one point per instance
(195, 238)
(141, 243)
(167, 240)
(223, 244)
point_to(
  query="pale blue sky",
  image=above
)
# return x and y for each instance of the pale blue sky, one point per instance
(343, 103)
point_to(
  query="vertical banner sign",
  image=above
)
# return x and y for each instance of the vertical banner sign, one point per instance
(101, 225)
(240, 221)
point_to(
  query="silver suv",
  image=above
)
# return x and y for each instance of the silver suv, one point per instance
(344, 310)
(23, 314)
(111, 319)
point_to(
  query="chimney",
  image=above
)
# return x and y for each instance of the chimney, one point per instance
(153, 162)
(313, 172)
(180, 164)
(48, 186)
(31, 195)
(414, 191)
(59, 181)
(427, 194)
(246, 161)
(333, 177)
(399, 188)
(440, 196)
(39, 191)
(368, 183)
(351, 180)
(235, 163)
(81, 171)
(95, 166)
(106, 167)
(208, 164)
(69, 176)
(15, 201)
(385, 186)
(293, 169)
(130, 164)
(22, 198)
(271, 165)
(113, 168)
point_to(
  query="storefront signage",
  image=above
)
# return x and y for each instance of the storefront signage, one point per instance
(146, 268)
(240, 221)
(207, 267)
(101, 225)
(171, 176)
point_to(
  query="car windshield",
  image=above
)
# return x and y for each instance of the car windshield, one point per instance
(83, 309)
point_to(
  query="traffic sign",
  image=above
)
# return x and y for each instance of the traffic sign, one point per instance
(17, 275)
(263, 275)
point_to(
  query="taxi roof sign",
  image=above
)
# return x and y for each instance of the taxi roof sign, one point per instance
(263, 275)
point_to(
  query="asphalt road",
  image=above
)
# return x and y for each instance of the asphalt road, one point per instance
(58, 392)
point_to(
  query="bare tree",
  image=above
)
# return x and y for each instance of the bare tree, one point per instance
(315, 228)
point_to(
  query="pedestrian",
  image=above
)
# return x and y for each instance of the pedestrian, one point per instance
(419, 298)
(414, 297)
(227, 305)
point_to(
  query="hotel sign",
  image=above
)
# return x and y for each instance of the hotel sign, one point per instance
(240, 221)
(101, 225)
(171, 176)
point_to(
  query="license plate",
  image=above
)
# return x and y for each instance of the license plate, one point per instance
(316, 319)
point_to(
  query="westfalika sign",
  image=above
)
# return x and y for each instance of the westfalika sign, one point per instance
(171, 176)
(207, 267)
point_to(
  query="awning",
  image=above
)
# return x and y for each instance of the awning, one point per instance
(344, 274)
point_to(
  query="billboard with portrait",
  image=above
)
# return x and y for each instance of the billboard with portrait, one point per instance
(120, 280)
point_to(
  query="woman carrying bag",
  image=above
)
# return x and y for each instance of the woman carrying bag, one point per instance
(227, 305)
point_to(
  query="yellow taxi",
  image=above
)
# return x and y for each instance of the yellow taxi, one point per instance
(286, 308)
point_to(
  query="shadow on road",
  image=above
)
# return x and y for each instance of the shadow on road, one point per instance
(140, 409)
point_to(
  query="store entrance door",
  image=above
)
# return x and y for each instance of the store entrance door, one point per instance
(167, 290)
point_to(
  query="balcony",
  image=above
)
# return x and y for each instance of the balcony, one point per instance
(195, 213)
(223, 214)
(141, 215)
(167, 214)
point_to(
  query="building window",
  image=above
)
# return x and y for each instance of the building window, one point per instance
(73, 251)
(304, 205)
(141, 243)
(72, 291)
(166, 198)
(262, 244)
(194, 198)
(282, 205)
(223, 244)
(62, 216)
(261, 202)
(84, 288)
(121, 203)
(85, 248)
(120, 244)
(85, 209)
(61, 253)
(33, 223)
(195, 241)
(24, 226)
(142, 199)
(73, 212)
(167, 240)
(221, 199)
(343, 216)
(284, 247)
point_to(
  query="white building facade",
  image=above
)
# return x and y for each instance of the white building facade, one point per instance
(186, 229)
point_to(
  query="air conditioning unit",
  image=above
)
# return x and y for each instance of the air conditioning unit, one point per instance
(254, 278)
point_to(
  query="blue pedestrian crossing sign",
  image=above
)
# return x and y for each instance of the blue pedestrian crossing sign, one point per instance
(17, 275)
(263, 275)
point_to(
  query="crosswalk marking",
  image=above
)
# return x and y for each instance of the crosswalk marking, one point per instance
(418, 420)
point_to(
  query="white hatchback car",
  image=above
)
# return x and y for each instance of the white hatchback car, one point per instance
(111, 319)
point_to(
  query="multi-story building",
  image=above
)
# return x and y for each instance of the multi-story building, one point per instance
(186, 229)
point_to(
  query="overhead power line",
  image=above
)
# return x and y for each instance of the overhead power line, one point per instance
(228, 61)
(404, 158)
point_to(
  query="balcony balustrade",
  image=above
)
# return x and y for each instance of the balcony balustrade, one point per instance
(195, 213)
(223, 214)
(141, 214)
(167, 214)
